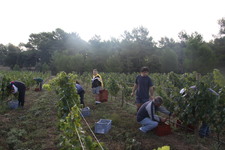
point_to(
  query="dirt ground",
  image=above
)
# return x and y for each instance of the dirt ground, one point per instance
(33, 127)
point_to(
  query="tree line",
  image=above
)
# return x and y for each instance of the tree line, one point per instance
(61, 51)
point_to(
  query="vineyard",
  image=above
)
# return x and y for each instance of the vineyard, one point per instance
(26, 77)
(204, 103)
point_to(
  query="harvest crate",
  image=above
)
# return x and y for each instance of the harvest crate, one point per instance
(103, 126)
(163, 129)
(36, 89)
(13, 104)
(86, 111)
(103, 95)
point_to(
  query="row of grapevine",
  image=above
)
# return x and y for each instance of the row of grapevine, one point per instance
(72, 133)
(205, 102)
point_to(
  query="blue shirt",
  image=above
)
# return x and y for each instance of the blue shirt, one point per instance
(143, 83)
(79, 88)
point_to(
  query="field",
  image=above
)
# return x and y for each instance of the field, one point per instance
(41, 124)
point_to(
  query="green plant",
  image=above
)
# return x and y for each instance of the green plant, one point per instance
(72, 136)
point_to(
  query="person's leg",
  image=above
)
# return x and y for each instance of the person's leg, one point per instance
(21, 97)
(204, 130)
(138, 103)
(19, 102)
(41, 85)
(97, 95)
(82, 98)
(148, 124)
(207, 131)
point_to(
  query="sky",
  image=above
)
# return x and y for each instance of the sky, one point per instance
(109, 18)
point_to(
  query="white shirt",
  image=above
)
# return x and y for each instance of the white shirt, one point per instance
(15, 89)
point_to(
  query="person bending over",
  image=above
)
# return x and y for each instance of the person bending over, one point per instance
(80, 92)
(18, 87)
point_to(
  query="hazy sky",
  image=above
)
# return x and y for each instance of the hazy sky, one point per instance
(108, 18)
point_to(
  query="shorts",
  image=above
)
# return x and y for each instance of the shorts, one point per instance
(96, 90)
(141, 101)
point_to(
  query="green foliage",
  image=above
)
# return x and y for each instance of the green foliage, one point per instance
(25, 76)
(113, 87)
(16, 68)
(67, 62)
(169, 61)
(15, 137)
(114, 64)
(197, 104)
(72, 136)
(219, 79)
(199, 56)
(64, 85)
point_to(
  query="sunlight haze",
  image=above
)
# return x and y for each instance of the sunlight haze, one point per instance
(108, 18)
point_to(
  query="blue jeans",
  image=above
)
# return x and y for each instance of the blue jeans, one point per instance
(148, 124)
(204, 130)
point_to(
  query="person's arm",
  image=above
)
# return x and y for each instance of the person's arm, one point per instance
(135, 86)
(151, 88)
(164, 110)
(151, 91)
(15, 89)
(134, 89)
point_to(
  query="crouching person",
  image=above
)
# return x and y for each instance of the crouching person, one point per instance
(146, 115)
(18, 87)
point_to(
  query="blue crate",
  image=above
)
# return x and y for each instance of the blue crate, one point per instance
(13, 104)
(86, 111)
(103, 126)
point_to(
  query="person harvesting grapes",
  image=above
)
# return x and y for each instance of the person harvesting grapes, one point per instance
(18, 87)
(80, 92)
(97, 85)
(146, 114)
(143, 86)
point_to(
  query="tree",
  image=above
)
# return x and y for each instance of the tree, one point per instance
(221, 23)
(11, 58)
(62, 61)
(3, 53)
(198, 54)
(113, 64)
(169, 61)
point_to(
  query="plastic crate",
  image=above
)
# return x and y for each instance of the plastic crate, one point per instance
(103, 126)
(13, 104)
(163, 129)
(86, 111)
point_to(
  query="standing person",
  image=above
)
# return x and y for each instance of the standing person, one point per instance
(97, 85)
(80, 92)
(17, 86)
(146, 115)
(143, 86)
